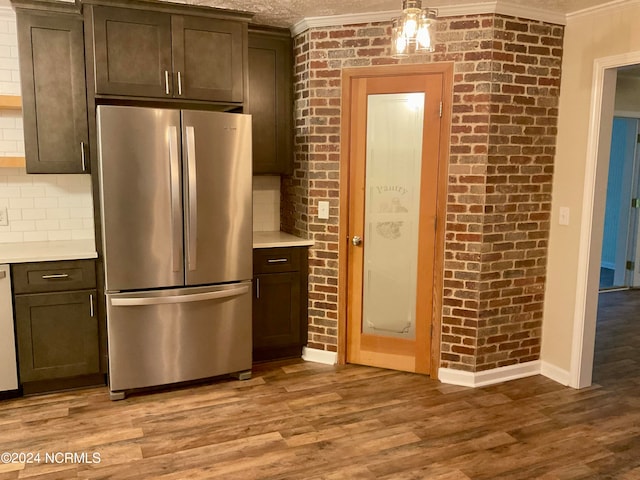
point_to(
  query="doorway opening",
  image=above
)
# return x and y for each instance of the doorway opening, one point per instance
(619, 243)
(603, 110)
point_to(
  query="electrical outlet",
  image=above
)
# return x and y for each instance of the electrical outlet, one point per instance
(323, 210)
(4, 220)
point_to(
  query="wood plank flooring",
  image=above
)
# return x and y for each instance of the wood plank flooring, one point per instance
(296, 420)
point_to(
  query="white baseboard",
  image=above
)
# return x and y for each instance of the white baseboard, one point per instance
(556, 374)
(319, 356)
(489, 377)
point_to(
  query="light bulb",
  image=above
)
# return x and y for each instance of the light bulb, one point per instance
(410, 26)
(423, 37)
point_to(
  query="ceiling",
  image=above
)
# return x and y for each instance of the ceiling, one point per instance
(288, 12)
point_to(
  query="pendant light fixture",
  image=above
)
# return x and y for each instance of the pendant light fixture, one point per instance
(411, 31)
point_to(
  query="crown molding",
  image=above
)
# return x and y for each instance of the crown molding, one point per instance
(500, 7)
(339, 20)
(531, 13)
(602, 9)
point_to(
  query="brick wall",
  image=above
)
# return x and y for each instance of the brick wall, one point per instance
(506, 87)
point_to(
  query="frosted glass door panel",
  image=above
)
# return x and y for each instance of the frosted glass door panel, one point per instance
(392, 211)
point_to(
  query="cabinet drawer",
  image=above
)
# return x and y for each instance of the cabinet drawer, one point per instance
(276, 260)
(53, 276)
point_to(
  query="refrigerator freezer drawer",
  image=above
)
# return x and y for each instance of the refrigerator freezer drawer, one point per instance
(168, 336)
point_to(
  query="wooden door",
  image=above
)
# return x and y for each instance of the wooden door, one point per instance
(208, 58)
(395, 158)
(54, 99)
(132, 52)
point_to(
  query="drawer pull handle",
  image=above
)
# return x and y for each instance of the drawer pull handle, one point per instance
(91, 312)
(55, 275)
(277, 260)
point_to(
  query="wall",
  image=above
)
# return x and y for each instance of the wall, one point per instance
(588, 37)
(39, 207)
(627, 98)
(266, 203)
(500, 170)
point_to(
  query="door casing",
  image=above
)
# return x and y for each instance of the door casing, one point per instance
(348, 76)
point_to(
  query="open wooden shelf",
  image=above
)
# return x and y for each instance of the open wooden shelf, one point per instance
(12, 162)
(10, 102)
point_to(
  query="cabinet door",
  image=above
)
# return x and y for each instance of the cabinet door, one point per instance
(57, 335)
(56, 131)
(132, 52)
(208, 58)
(270, 102)
(276, 314)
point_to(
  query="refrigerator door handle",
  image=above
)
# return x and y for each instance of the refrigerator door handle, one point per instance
(135, 301)
(192, 228)
(174, 175)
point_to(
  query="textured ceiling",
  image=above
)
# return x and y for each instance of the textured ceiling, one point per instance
(288, 12)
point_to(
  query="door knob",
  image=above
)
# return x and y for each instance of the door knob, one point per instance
(356, 240)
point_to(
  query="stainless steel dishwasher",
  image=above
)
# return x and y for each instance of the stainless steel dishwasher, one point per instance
(8, 365)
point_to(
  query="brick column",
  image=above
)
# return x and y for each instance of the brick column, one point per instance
(506, 86)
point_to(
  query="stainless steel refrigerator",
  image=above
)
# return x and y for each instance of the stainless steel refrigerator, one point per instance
(175, 192)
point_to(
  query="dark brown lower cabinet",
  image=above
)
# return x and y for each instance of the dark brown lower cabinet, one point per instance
(57, 331)
(279, 302)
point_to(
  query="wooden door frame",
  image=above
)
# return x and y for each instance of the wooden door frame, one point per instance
(348, 76)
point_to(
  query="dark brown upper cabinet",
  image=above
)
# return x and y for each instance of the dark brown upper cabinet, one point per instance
(270, 100)
(54, 100)
(142, 53)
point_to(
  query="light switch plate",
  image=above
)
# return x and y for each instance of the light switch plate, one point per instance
(323, 210)
(564, 216)
(4, 220)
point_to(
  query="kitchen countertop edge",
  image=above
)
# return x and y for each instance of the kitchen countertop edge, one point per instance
(47, 251)
(278, 239)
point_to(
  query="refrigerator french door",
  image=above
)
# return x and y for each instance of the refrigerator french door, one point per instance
(175, 190)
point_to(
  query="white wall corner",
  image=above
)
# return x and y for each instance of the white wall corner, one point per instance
(489, 377)
(319, 356)
(554, 373)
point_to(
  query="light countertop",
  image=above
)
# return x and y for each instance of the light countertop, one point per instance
(47, 251)
(79, 249)
(278, 239)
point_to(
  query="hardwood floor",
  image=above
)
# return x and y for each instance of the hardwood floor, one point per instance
(296, 420)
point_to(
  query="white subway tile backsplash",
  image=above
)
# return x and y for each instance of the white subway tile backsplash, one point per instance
(32, 191)
(55, 235)
(45, 207)
(45, 202)
(47, 225)
(36, 236)
(11, 237)
(71, 224)
(23, 226)
(266, 203)
(57, 213)
(34, 214)
(21, 202)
